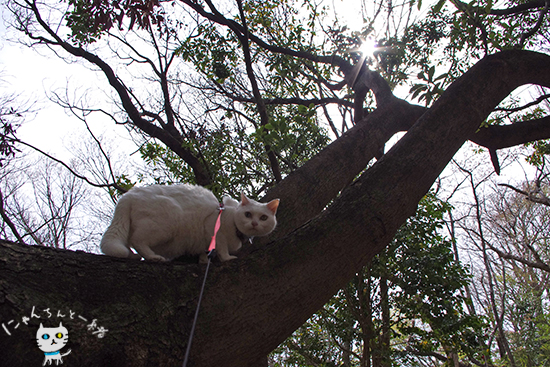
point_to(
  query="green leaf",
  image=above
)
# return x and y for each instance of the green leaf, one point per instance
(489, 6)
(437, 7)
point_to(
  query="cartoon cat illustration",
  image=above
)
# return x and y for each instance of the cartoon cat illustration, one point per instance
(50, 341)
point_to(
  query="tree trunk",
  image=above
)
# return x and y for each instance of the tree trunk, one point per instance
(366, 320)
(251, 304)
(385, 335)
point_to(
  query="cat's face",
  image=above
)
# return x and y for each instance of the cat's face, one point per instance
(256, 219)
(52, 339)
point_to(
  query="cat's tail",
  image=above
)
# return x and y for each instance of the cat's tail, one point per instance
(115, 240)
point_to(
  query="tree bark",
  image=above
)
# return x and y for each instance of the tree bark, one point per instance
(252, 304)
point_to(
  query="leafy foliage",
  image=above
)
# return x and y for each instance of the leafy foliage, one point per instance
(11, 118)
(216, 63)
(236, 158)
(7, 134)
(432, 87)
(89, 20)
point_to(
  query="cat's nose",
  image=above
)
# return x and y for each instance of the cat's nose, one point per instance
(254, 223)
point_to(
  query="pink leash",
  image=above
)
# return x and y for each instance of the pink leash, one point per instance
(211, 253)
(212, 246)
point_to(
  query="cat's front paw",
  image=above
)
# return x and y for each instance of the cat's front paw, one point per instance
(134, 256)
(227, 257)
(156, 258)
(203, 258)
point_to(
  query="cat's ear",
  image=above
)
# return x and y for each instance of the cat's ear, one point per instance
(60, 324)
(244, 200)
(273, 205)
(41, 327)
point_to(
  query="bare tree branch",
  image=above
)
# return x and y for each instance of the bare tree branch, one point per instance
(505, 136)
(540, 99)
(113, 184)
(170, 137)
(507, 256)
(535, 197)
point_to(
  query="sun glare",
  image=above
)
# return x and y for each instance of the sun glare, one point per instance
(368, 47)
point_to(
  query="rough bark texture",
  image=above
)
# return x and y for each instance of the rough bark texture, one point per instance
(253, 303)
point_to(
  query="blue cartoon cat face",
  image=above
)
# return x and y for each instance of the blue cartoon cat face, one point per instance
(52, 339)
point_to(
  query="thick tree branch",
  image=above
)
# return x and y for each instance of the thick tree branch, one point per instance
(378, 85)
(359, 145)
(505, 136)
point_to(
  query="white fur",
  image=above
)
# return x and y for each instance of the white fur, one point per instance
(165, 222)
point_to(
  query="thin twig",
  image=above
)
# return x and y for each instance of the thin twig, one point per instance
(113, 185)
(537, 26)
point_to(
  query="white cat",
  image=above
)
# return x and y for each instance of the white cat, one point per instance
(165, 222)
(50, 341)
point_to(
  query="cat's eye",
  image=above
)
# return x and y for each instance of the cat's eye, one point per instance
(248, 214)
(263, 217)
(59, 335)
(45, 337)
